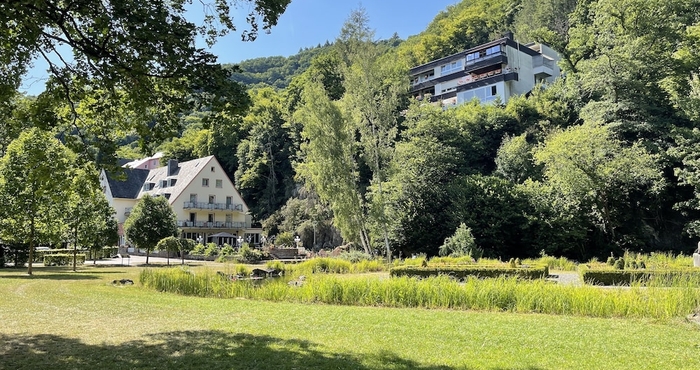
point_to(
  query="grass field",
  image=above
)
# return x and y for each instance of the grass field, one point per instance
(62, 320)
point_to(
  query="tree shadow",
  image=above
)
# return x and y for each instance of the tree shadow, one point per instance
(184, 350)
(209, 349)
(64, 276)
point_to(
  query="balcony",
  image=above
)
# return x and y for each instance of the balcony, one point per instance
(543, 67)
(213, 206)
(212, 225)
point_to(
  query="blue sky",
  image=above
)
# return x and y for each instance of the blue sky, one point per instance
(306, 23)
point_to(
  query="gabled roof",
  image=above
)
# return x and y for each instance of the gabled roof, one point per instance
(139, 162)
(129, 185)
(184, 174)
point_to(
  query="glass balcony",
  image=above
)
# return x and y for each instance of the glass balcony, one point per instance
(213, 206)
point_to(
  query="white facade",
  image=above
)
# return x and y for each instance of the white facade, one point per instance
(202, 196)
(490, 72)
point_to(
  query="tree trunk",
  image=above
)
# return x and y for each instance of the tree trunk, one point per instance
(148, 251)
(75, 248)
(31, 246)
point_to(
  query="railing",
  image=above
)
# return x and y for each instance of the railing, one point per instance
(212, 225)
(214, 206)
(485, 57)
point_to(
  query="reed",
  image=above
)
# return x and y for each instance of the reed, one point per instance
(500, 294)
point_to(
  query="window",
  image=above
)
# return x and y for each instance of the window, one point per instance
(494, 90)
(212, 169)
(211, 217)
(193, 217)
(205, 182)
(164, 183)
(219, 183)
(193, 198)
(167, 195)
(212, 199)
(229, 200)
(172, 182)
(493, 50)
(451, 67)
(229, 218)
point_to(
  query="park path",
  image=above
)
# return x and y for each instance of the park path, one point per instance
(566, 277)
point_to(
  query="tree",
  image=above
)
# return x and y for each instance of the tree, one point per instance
(374, 88)
(34, 186)
(329, 166)
(151, 220)
(89, 216)
(589, 165)
(125, 65)
(169, 244)
(265, 176)
(462, 243)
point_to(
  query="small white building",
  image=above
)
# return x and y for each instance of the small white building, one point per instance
(495, 70)
(201, 194)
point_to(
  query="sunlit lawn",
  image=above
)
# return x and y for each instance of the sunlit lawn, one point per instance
(63, 320)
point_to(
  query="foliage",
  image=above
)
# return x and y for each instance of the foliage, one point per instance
(119, 67)
(211, 250)
(589, 166)
(285, 240)
(63, 259)
(461, 244)
(34, 174)
(355, 256)
(249, 255)
(151, 220)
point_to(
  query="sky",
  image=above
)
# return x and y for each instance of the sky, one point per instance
(305, 23)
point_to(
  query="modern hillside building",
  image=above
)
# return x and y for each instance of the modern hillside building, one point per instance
(498, 69)
(207, 205)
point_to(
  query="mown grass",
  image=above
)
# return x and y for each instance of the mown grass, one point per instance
(503, 294)
(85, 322)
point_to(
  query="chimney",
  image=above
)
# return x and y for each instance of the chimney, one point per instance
(508, 35)
(172, 166)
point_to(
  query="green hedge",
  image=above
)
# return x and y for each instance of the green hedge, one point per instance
(627, 277)
(463, 271)
(62, 259)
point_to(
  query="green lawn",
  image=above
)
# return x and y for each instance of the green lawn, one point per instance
(62, 320)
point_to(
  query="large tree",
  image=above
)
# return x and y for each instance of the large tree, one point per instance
(34, 187)
(151, 220)
(124, 65)
(89, 216)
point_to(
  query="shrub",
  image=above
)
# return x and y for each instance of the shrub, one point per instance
(464, 260)
(511, 263)
(227, 250)
(249, 255)
(461, 244)
(211, 250)
(611, 261)
(461, 272)
(63, 259)
(620, 264)
(242, 270)
(199, 250)
(355, 256)
(285, 240)
(648, 277)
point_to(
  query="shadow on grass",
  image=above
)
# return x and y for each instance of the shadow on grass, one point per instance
(52, 276)
(188, 350)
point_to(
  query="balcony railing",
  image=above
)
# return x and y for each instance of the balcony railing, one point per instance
(212, 225)
(213, 206)
(485, 57)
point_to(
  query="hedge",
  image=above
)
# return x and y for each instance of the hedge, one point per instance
(463, 271)
(627, 277)
(63, 259)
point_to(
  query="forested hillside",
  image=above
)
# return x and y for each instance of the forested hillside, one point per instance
(598, 162)
(275, 71)
(601, 161)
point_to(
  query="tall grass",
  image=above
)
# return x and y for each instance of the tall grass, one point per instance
(502, 294)
(328, 266)
(554, 263)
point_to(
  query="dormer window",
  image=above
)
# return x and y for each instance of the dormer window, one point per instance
(164, 183)
(172, 182)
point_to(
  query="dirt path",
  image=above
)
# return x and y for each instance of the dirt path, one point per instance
(566, 278)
